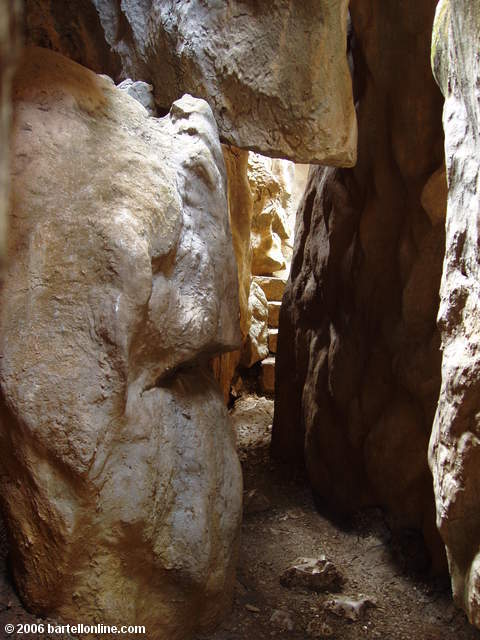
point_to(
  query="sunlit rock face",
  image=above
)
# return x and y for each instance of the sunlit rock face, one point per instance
(256, 344)
(274, 73)
(121, 486)
(269, 221)
(455, 444)
(9, 49)
(358, 360)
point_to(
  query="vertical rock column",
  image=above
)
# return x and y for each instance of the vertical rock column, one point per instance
(274, 73)
(358, 361)
(9, 48)
(455, 442)
(120, 482)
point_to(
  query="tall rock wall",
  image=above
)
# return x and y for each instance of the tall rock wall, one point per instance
(275, 73)
(9, 49)
(455, 443)
(240, 211)
(358, 361)
(120, 482)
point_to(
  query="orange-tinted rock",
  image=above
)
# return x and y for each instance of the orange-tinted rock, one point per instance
(120, 283)
(275, 74)
(9, 48)
(455, 444)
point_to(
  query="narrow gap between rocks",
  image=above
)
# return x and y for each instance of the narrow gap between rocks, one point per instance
(385, 591)
(304, 572)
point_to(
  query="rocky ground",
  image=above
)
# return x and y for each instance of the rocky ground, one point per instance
(281, 524)
(386, 592)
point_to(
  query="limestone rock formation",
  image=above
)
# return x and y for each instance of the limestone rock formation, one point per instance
(263, 194)
(121, 485)
(455, 446)
(269, 222)
(9, 47)
(142, 92)
(256, 344)
(240, 209)
(274, 73)
(77, 33)
(358, 360)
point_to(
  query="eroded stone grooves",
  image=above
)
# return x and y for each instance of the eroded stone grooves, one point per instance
(454, 447)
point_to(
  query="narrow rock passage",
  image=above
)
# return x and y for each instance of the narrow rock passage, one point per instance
(281, 524)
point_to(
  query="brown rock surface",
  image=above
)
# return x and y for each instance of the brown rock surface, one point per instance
(272, 287)
(240, 210)
(256, 343)
(9, 49)
(273, 313)
(255, 63)
(273, 340)
(358, 362)
(315, 574)
(267, 375)
(455, 445)
(121, 484)
(268, 222)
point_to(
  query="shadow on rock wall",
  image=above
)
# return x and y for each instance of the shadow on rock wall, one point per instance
(358, 322)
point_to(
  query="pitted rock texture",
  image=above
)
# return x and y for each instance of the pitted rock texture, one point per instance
(455, 445)
(240, 210)
(358, 360)
(9, 49)
(257, 64)
(142, 92)
(256, 343)
(121, 484)
(270, 226)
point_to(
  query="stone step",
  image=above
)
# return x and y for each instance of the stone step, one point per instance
(272, 287)
(268, 375)
(272, 340)
(273, 313)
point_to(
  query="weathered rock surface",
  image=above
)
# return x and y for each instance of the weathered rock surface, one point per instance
(9, 48)
(267, 375)
(350, 608)
(455, 446)
(255, 63)
(240, 210)
(142, 92)
(358, 361)
(272, 340)
(78, 34)
(272, 287)
(121, 486)
(282, 620)
(277, 187)
(263, 195)
(315, 574)
(274, 313)
(256, 343)
(269, 224)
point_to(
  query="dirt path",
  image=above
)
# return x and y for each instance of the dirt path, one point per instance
(282, 524)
